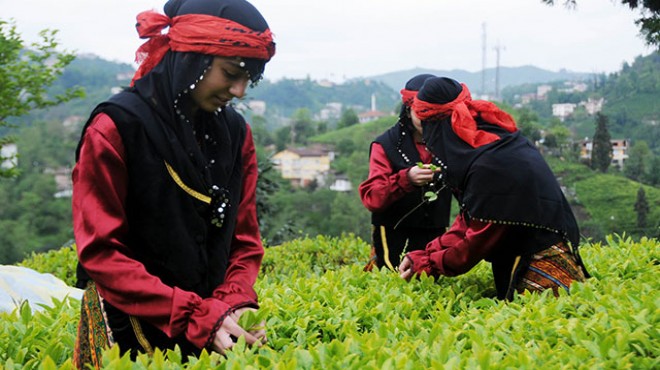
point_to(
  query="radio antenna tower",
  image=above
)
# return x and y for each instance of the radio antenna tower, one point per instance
(498, 49)
(483, 59)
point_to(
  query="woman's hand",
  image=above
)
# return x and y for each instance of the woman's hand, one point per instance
(224, 337)
(421, 176)
(259, 331)
(405, 268)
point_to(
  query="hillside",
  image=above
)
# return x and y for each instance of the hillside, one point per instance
(98, 77)
(630, 99)
(285, 96)
(324, 312)
(509, 76)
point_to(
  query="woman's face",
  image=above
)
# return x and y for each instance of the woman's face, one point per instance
(416, 121)
(223, 81)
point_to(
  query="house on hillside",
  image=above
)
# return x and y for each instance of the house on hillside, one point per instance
(331, 111)
(371, 115)
(341, 183)
(542, 91)
(619, 151)
(303, 166)
(593, 106)
(63, 183)
(562, 111)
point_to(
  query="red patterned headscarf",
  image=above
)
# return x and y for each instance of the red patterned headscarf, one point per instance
(201, 33)
(407, 97)
(411, 88)
(432, 102)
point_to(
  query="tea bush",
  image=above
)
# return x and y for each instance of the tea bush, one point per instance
(324, 312)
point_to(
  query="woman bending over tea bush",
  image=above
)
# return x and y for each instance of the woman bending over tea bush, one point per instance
(513, 213)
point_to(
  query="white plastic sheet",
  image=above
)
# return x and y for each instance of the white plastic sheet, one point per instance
(19, 284)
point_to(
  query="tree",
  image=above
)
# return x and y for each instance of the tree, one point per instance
(302, 126)
(260, 133)
(25, 75)
(642, 209)
(528, 124)
(267, 185)
(601, 154)
(557, 136)
(649, 22)
(637, 163)
(348, 118)
(653, 176)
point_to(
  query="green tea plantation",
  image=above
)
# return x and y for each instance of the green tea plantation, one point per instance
(324, 312)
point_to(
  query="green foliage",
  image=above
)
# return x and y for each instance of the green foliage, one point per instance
(638, 163)
(362, 135)
(42, 339)
(610, 199)
(601, 155)
(31, 217)
(641, 208)
(59, 262)
(528, 124)
(348, 118)
(268, 183)
(324, 312)
(326, 212)
(26, 72)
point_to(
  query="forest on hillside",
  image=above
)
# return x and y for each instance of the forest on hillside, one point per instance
(33, 218)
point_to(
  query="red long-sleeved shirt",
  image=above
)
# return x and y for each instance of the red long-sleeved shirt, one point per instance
(100, 227)
(453, 253)
(384, 186)
(459, 249)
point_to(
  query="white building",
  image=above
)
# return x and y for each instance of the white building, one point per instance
(330, 111)
(542, 90)
(341, 183)
(619, 151)
(563, 110)
(593, 106)
(257, 107)
(8, 156)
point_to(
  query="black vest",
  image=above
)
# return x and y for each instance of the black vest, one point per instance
(170, 230)
(396, 143)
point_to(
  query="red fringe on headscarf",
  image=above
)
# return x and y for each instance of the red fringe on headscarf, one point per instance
(408, 96)
(463, 111)
(199, 33)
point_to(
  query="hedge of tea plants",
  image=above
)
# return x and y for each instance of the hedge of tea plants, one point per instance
(324, 312)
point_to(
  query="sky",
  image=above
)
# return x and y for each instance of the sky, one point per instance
(343, 39)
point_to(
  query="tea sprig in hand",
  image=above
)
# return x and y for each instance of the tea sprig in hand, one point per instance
(430, 166)
(252, 320)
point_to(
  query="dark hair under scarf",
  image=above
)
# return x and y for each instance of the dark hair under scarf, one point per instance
(506, 181)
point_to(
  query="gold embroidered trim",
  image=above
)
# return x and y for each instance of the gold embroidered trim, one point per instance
(513, 272)
(193, 193)
(386, 251)
(139, 334)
